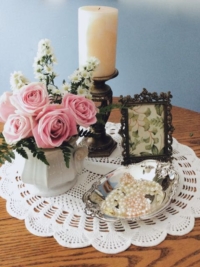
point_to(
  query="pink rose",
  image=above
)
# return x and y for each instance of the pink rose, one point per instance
(6, 108)
(17, 127)
(55, 126)
(31, 98)
(83, 109)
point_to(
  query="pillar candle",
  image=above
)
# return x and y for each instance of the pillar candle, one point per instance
(97, 31)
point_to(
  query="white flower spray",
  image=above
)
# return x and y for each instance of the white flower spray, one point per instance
(43, 66)
(17, 80)
(80, 81)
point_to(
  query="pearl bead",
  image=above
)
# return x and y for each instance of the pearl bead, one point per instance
(128, 200)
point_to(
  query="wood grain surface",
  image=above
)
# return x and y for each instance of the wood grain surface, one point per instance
(19, 248)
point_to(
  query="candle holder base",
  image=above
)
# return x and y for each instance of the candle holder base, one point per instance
(101, 144)
(102, 147)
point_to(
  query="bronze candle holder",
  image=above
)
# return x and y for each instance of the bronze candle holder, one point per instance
(101, 144)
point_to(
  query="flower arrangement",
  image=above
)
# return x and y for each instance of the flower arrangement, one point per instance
(39, 115)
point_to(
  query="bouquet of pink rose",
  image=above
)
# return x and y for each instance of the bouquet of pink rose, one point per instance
(38, 115)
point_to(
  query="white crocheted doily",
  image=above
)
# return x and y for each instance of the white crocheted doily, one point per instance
(63, 216)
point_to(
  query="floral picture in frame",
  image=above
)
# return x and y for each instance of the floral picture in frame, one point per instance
(146, 127)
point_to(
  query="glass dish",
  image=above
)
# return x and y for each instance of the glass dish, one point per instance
(133, 192)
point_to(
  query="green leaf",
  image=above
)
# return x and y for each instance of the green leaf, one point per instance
(41, 156)
(110, 107)
(137, 141)
(21, 151)
(67, 152)
(161, 152)
(6, 151)
(133, 116)
(154, 150)
(147, 124)
(100, 118)
(154, 131)
(159, 109)
(161, 124)
(11, 154)
(147, 112)
(158, 122)
(145, 154)
(132, 145)
(156, 140)
(31, 145)
(148, 147)
(146, 140)
(135, 134)
(47, 80)
(153, 121)
(8, 158)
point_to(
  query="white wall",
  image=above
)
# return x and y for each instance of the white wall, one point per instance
(158, 43)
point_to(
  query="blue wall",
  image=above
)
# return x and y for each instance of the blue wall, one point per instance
(158, 43)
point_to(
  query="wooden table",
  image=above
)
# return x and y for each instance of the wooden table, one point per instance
(19, 248)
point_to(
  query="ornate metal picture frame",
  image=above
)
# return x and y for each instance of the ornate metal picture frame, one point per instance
(146, 127)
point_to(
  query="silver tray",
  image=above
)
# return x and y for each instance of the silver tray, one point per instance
(133, 192)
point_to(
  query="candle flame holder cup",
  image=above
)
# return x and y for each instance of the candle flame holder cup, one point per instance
(101, 144)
